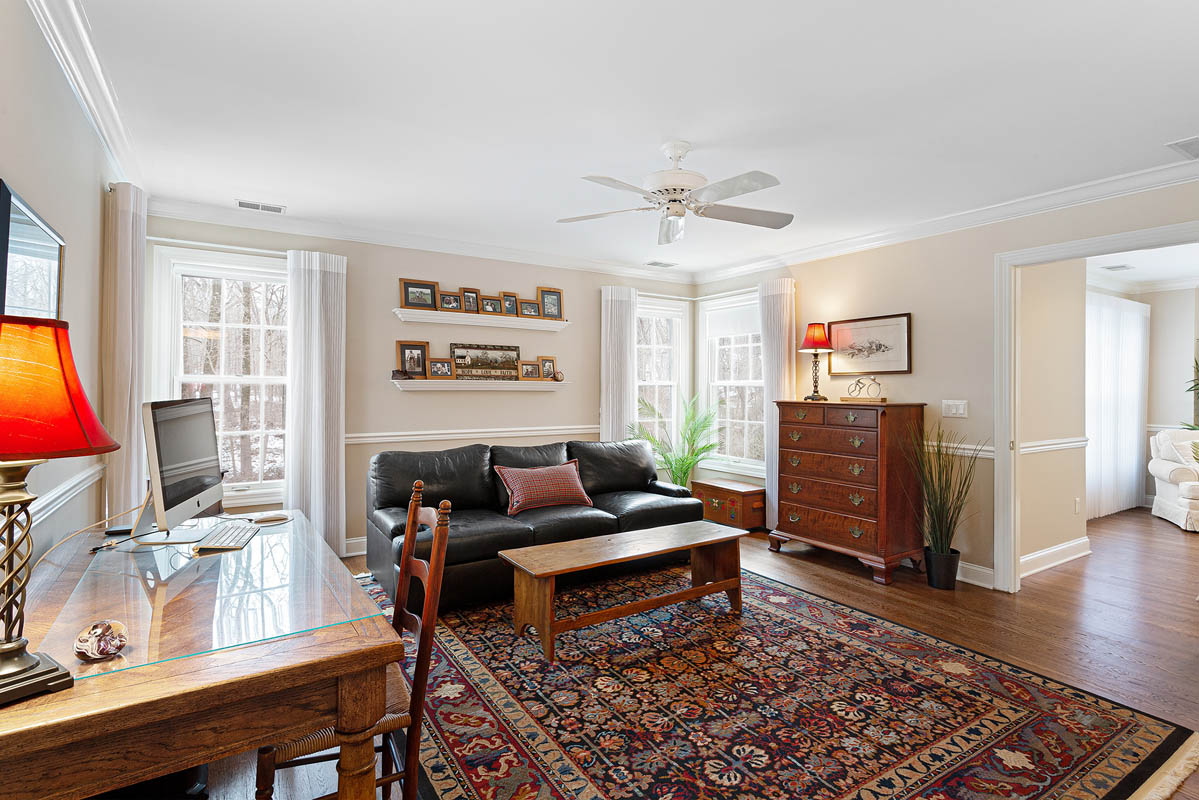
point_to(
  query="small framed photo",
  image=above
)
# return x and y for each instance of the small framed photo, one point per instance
(470, 301)
(530, 308)
(871, 345)
(413, 358)
(491, 305)
(449, 301)
(418, 294)
(551, 302)
(530, 371)
(549, 365)
(442, 369)
(510, 303)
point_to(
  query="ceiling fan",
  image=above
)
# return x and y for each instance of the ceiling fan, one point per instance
(673, 192)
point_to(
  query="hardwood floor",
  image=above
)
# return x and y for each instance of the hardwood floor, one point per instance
(1122, 622)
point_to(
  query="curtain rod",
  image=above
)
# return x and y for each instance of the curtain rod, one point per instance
(215, 246)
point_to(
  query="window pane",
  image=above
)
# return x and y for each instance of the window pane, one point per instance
(665, 330)
(276, 304)
(272, 467)
(243, 302)
(755, 406)
(737, 439)
(724, 364)
(665, 404)
(644, 363)
(755, 338)
(243, 351)
(242, 457)
(644, 330)
(722, 401)
(243, 407)
(743, 339)
(740, 363)
(274, 409)
(201, 299)
(755, 363)
(275, 362)
(201, 350)
(755, 446)
(188, 391)
(646, 394)
(663, 367)
(722, 437)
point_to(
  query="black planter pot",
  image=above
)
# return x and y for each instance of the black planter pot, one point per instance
(942, 568)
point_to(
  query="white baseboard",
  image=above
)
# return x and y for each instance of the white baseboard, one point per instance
(1053, 556)
(1147, 501)
(51, 501)
(976, 575)
(355, 546)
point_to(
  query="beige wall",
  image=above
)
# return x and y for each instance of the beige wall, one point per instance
(51, 156)
(1172, 322)
(375, 406)
(1048, 483)
(947, 282)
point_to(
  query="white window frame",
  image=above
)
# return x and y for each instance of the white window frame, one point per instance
(162, 321)
(703, 377)
(681, 311)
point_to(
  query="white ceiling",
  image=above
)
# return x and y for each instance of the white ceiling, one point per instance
(471, 122)
(1152, 270)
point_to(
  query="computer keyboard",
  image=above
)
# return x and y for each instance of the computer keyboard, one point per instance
(233, 534)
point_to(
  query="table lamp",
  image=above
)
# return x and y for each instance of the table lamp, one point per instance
(815, 342)
(43, 414)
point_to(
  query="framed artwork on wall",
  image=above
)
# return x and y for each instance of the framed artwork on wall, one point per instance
(530, 308)
(549, 365)
(31, 256)
(510, 303)
(412, 358)
(871, 345)
(530, 371)
(485, 362)
(470, 301)
(449, 301)
(551, 302)
(441, 369)
(491, 305)
(418, 294)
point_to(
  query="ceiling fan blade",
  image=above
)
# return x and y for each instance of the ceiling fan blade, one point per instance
(670, 229)
(605, 214)
(612, 183)
(731, 187)
(747, 216)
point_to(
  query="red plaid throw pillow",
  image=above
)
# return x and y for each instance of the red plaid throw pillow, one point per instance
(543, 486)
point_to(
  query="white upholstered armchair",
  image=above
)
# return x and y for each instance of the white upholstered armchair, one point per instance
(1176, 474)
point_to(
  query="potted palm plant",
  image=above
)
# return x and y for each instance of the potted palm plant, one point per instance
(694, 443)
(944, 464)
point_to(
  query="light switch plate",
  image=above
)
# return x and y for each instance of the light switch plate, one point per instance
(955, 408)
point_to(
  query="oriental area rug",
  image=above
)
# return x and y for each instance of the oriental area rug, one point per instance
(799, 697)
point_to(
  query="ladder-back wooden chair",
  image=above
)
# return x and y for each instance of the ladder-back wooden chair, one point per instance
(404, 709)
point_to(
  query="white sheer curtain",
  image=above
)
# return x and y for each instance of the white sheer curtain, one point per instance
(122, 335)
(780, 339)
(314, 470)
(618, 361)
(1117, 372)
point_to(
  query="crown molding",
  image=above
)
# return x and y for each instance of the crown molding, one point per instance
(65, 26)
(1171, 285)
(1111, 284)
(1090, 192)
(239, 218)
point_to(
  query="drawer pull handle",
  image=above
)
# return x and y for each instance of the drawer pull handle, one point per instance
(801, 413)
(794, 487)
(793, 517)
(794, 461)
(795, 436)
(857, 441)
(856, 499)
(856, 469)
(855, 531)
(850, 417)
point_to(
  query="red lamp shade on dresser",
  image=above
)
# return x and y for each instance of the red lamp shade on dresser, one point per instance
(44, 412)
(816, 339)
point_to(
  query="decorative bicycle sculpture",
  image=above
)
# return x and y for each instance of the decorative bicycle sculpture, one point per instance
(866, 387)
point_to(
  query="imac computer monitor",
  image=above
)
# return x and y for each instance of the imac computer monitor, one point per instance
(185, 468)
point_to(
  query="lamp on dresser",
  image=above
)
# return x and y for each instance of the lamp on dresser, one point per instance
(815, 341)
(44, 414)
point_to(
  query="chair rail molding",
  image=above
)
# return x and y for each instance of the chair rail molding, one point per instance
(477, 434)
(54, 499)
(1048, 445)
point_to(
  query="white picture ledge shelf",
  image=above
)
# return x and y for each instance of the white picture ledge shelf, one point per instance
(478, 386)
(481, 320)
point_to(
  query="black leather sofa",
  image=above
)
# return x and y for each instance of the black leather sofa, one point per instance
(619, 477)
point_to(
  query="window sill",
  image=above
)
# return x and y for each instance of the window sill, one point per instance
(258, 496)
(745, 469)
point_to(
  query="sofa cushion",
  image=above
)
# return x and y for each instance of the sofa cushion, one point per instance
(566, 523)
(539, 487)
(639, 510)
(542, 455)
(613, 466)
(1175, 445)
(475, 533)
(1188, 490)
(462, 476)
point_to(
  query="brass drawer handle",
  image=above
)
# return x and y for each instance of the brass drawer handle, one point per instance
(856, 499)
(794, 461)
(850, 417)
(793, 517)
(794, 487)
(857, 441)
(795, 436)
(856, 469)
(801, 413)
(855, 531)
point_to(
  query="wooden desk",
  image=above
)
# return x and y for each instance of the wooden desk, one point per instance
(113, 729)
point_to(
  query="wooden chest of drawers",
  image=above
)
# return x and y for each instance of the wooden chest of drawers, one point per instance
(741, 505)
(845, 483)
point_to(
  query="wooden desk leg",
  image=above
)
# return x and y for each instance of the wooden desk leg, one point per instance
(534, 606)
(716, 562)
(361, 697)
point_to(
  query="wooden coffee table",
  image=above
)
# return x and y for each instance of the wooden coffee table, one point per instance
(715, 567)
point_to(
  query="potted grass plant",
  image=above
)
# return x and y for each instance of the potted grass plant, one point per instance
(695, 439)
(944, 464)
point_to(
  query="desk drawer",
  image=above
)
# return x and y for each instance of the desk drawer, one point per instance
(857, 500)
(803, 414)
(852, 417)
(850, 469)
(829, 440)
(839, 529)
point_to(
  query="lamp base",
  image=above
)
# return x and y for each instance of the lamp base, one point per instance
(43, 674)
(816, 398)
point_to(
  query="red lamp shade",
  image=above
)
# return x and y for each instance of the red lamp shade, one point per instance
(43, 410)
(816, 340)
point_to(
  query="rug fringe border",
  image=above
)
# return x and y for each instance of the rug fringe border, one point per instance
(1170, 777)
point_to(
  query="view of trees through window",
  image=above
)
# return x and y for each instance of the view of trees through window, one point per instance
(233, 348)
(736, 392)
(657, 372)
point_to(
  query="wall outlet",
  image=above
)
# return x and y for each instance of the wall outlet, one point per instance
(955, 408)
(1077, 505)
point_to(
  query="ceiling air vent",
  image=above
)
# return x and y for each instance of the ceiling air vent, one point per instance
(1117, 268)
(660, 264)
(1188, 147)
(253, 205)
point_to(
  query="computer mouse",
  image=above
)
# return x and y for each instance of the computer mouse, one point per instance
(271, 517)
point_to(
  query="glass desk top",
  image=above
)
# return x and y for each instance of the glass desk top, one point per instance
(176, 604)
